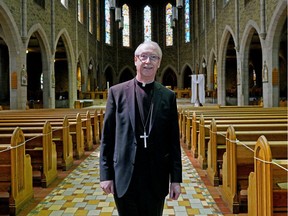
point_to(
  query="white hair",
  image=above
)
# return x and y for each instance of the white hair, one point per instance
(152, 44)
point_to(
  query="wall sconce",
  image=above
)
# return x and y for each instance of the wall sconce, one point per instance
(118, 14)
(179, 3)
(265, 73)
(112, 4)
(239, 74)
(53, 79)
(174, 13)
(90, 66)
(204, 65)
(24, 76)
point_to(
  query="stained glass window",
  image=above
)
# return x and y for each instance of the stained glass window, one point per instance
(41, 81)
(213, 9)
(126, 26)
(80, 11)
(65, 3)
(187, 21)
(147, 24)
(203, 15)
(90, 16)
(98, 21)
(169, 30)
(225, 2)
(107, 23)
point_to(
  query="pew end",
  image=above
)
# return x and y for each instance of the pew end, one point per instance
(15, 192)
(265, 195)
(238, 162)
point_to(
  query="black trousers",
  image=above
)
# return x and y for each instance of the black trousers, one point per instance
(141, 198)
(132, 204)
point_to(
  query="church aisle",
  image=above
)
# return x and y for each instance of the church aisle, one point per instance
(79, 194)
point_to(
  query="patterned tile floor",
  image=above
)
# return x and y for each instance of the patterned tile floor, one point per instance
(79, 194)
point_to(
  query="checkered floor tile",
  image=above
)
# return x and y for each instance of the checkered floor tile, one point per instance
(79, 194)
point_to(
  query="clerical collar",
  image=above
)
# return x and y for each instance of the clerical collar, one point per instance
(149, 84)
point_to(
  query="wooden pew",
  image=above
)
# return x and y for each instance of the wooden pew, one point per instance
(60, 134)
(87, 127)
(238, 162)
(41, 148)
(54, 116)
(76, 129)
(265, 197)
(42, 142)
(186, 123)
(77, 134)
(233, 117)
(214, 154)
(183, 93)
(16, 188)
(87, 123)
(83, 116)
(92, 115)
(95, 117)
(187, 115)
(95, 94)
(83, 103)
(180, 117)
(64, 144)
(203, 139)
(96, 126)
(191, 120)
(101, 121)
(217, 141)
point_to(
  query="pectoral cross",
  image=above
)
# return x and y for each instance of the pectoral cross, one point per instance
(144, 136)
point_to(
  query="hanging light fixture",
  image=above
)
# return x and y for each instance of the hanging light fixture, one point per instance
(174, 13)
(112, 4)
(121, 23)
(179, 3)
(173, 22)
(118, 14)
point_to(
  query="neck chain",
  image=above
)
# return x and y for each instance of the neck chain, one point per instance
(148, 118)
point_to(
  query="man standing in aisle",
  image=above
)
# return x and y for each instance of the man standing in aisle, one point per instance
(140, 147)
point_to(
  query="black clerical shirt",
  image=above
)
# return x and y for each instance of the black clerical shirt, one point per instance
(143, 109)
(141, 177)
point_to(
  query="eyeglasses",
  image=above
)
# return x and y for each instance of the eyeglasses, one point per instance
(144, 57)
